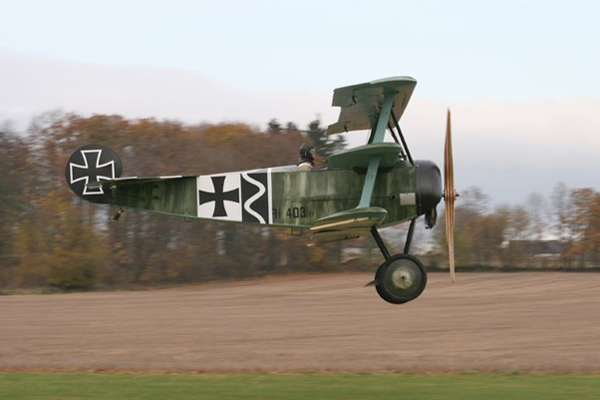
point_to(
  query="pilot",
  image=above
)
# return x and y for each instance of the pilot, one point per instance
(307, 157)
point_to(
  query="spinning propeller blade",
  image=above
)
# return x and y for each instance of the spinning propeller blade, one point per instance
(449, 196)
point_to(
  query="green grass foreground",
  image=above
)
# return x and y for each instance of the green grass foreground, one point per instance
(344, 386)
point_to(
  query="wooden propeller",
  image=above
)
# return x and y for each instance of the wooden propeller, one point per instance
(449, 196)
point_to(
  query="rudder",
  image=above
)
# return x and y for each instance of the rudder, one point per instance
(92, 163)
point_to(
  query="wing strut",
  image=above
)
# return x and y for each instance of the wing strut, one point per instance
(377, 136)
(395, 137)
(378, 133)
(365, 198)
(383, 122)
(402, 138)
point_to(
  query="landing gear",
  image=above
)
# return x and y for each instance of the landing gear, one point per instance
(401, 278)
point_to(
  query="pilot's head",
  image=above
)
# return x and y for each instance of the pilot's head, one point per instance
(307, 153)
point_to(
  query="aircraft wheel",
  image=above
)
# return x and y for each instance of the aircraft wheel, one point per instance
(400, 279)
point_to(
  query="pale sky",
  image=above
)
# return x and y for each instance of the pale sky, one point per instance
(521, 77)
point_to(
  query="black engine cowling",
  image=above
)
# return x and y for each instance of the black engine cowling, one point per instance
(429, 189)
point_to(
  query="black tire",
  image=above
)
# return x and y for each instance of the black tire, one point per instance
(400, 279)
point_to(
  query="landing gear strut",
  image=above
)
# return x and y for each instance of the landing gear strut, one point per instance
(402, 277)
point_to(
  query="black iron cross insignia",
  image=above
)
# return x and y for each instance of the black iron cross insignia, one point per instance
(219, 196)
(92, 170)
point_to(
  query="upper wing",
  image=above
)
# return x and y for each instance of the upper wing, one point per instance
(361, 104)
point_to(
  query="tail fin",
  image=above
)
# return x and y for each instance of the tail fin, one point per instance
(92, 163)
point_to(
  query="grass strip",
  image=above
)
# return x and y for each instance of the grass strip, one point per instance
(67, 386)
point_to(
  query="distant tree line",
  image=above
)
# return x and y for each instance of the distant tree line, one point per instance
(49, 237)
(560, 232)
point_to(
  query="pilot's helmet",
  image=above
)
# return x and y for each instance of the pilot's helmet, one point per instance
(307, 152)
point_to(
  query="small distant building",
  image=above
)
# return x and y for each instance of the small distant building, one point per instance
(540, 252)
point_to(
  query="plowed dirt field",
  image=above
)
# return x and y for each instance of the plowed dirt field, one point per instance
(484, 321)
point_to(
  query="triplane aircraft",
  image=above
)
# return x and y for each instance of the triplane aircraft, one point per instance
(359, 191)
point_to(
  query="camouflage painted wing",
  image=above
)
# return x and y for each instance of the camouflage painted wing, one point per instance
(361, 104)
(348, 224)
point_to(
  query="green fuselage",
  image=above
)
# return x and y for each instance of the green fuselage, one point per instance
(300, 198)
(293, 197)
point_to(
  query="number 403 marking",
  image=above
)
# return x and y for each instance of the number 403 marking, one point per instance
(292, 212)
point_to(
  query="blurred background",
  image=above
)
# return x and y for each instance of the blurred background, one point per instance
(51, 238)
(202, 87)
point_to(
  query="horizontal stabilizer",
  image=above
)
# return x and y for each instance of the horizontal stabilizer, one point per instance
(359, 157)
(129, 180)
